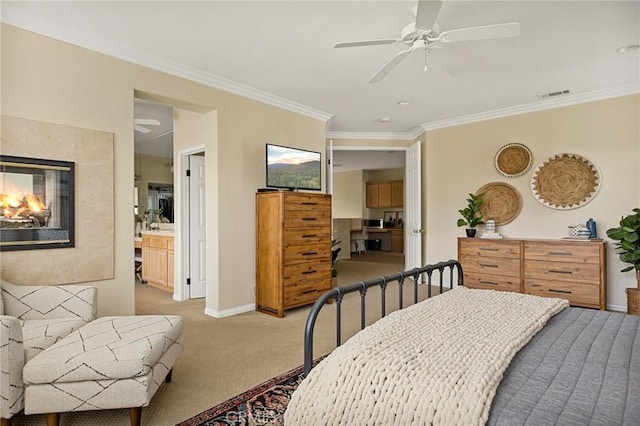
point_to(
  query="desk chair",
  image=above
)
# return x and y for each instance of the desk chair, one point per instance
(360, 241)
(138, 265)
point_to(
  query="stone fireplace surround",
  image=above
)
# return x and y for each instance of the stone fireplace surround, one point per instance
(92, 258)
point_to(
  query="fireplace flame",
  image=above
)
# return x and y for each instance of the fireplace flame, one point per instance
(12, 207)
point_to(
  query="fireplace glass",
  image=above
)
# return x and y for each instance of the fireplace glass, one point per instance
(36, 203)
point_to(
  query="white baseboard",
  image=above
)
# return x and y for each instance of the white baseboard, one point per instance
(229, 312)
(617, 308)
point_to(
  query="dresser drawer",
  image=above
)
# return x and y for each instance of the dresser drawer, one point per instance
(305, 292)
(579, 294)
(313, 235)
(306, 272)
(307, 202)
(307, 218)
(491, 265)
(162, 242)
(576, 252)
(587, 273)
(479, 247)
(306, 253)
(492, 282)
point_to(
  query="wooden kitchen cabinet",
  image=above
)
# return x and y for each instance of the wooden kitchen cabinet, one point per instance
(157, 261)
(385, 194)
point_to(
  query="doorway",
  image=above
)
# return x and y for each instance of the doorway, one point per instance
(379, 164)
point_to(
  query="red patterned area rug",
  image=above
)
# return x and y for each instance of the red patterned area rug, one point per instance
(263, 405)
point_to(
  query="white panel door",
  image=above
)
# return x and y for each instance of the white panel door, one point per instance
(413, 208)
(197, 235)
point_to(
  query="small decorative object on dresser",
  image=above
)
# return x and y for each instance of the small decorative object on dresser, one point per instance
(471, 214)
(490, 230)
(628, 246)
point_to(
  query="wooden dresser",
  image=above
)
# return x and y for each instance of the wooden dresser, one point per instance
(293, 249)
(570, 269)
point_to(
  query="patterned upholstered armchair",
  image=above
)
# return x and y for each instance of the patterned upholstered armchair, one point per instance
(32, 318)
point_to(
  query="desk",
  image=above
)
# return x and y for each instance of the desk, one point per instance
(394, 237)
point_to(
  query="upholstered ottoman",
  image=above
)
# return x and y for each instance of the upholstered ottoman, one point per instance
(112, 362)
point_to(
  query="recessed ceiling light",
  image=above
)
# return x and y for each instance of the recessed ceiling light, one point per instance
(629, 48)
(403, 103)
(384, 120)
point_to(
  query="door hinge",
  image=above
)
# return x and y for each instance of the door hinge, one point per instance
(188, 172)
(188, 281)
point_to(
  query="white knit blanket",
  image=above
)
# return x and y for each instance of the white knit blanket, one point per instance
(437, 362)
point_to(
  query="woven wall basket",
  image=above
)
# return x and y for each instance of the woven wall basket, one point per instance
(501, 202)
(513, 160)
(565, 181)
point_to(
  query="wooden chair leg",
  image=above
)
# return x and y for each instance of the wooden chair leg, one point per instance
(5, 422)
(135, 414)
(168, 378)
(53, 419)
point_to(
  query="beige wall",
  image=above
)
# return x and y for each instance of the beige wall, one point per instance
(347, 197)
(44, 79)
(460, 159)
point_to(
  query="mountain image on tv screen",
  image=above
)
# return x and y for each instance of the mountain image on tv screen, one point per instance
(293, 168)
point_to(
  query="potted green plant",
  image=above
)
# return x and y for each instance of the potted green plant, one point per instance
(628, 250)
(471, 214)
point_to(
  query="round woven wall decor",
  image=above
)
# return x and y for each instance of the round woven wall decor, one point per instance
(565, 181)
(513, 160)
(501, 202)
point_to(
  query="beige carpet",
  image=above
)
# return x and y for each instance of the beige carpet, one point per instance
(224, 357)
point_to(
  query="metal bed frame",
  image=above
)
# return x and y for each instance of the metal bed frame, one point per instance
(338, 293)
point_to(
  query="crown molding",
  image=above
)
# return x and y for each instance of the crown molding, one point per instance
(562, 101)
(14, 16)
(371, 135)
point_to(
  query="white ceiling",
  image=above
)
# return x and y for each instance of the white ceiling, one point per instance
(283, 52)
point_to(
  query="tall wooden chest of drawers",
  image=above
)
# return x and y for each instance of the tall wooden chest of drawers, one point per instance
(573, 270)
(293, 249)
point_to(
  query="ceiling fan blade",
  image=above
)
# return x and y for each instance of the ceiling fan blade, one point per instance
(426, 14)
(147, 121)
(511, 29)
(366, 43)
(386, 69)
(141, 129)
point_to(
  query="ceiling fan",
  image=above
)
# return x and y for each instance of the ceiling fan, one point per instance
(139, 124)
(424, 35)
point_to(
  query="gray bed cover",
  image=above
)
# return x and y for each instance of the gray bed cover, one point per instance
(582, 368)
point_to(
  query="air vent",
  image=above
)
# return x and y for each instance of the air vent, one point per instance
(554, 94)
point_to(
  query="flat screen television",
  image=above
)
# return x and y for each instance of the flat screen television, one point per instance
(293, 168)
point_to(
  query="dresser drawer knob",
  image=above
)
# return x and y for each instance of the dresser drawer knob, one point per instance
(552, 290)
(488, 282)
(309, 203)
(561, 253)
(309, 253)
(309, 272)
(309, 236)
(488, 265)
(309, 291)
(559, 271)
(488, 248)
(309, 218)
